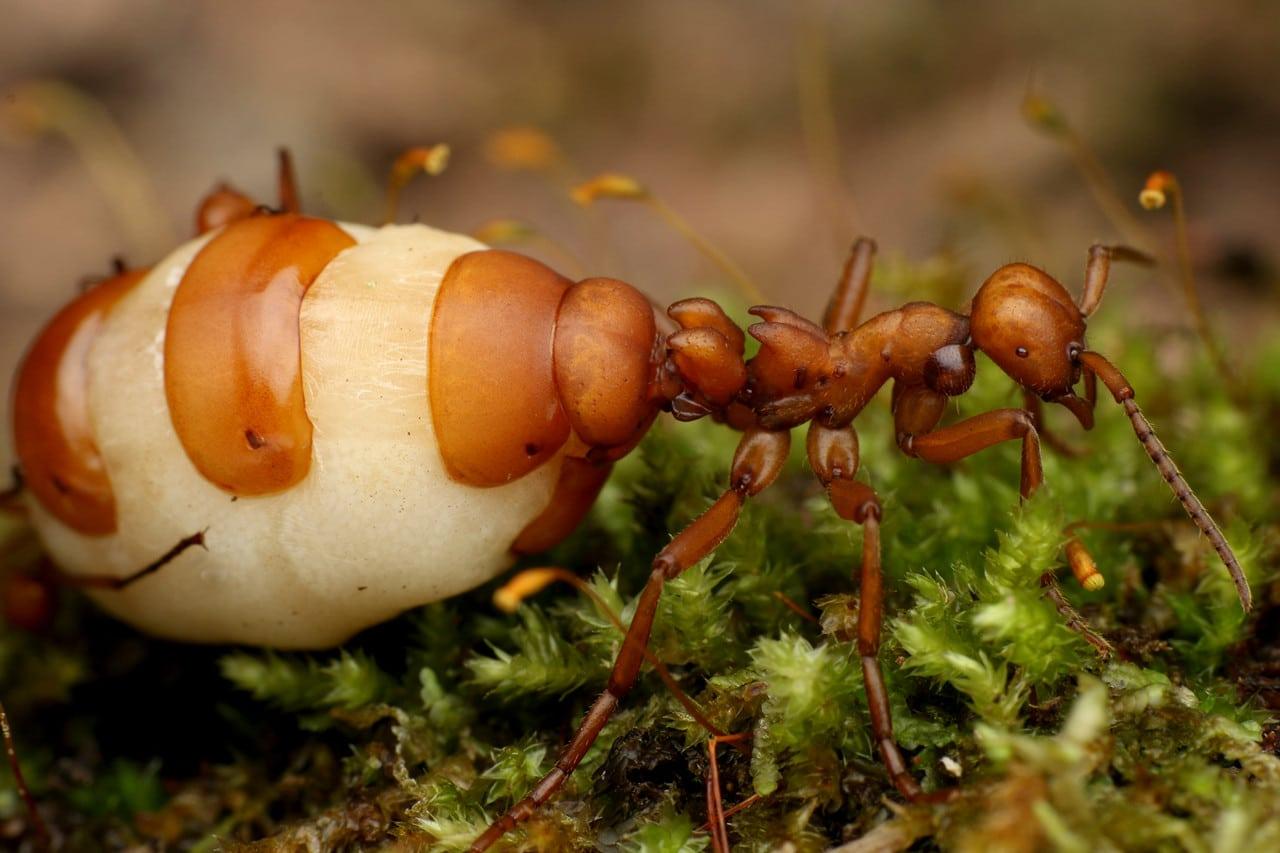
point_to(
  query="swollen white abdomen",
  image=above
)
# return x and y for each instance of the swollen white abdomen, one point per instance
(375, 527)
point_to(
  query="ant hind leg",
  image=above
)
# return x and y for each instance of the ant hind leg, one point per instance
(757, 462)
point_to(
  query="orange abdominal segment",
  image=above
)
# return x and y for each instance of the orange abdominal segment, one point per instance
(232, 359)
(604, 351)
(494, 403)
(52, 432)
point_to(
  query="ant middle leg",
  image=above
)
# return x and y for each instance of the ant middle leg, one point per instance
(833, 455)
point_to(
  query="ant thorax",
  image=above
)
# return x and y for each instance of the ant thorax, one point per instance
(802, 373)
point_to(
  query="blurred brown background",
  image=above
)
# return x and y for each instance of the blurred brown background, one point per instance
(716, 106)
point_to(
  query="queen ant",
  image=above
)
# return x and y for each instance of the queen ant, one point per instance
(513, 391)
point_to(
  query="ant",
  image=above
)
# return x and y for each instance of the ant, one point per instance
(522, 374)
(824, 375)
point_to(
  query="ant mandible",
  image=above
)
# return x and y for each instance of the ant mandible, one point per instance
(1021, 318)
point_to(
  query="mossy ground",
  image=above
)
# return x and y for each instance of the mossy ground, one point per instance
(417, 732)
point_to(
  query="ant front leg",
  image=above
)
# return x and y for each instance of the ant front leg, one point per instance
(916, 413)
(756, 464)
(916, 416)
(833, 455)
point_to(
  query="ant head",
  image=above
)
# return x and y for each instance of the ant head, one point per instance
(1026, 322)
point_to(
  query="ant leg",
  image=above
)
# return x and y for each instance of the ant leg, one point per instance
(955, 442)
(530, 582)
(845, 307)
(1098, 267)
(756, 464)
(576, 489)
(715, 803)
(833, 455)
(117, 583)
(858, 503)
(917, 411)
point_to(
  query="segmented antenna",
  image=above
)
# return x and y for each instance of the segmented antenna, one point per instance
(1122, 391)
(1164, 462)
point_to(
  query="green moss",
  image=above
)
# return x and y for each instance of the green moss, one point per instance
(428, 727)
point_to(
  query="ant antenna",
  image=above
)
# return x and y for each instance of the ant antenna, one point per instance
(1122, 391)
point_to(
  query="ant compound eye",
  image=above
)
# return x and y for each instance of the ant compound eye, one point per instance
(1073, 352)
(1021, 352)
